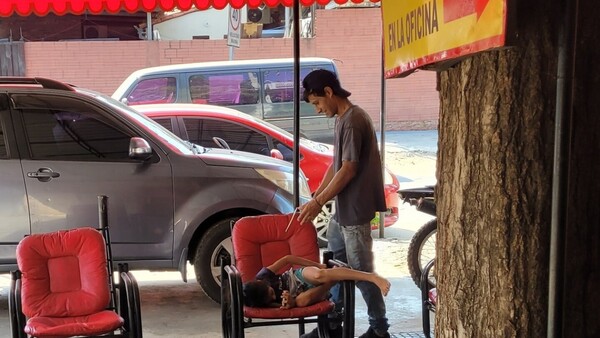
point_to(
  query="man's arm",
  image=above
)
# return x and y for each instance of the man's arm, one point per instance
(325, 182)
(310, 210)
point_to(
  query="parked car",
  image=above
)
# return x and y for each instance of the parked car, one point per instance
(208, 125)
(260, 88)
(171, 201)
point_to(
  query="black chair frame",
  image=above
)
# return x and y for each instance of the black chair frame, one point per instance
(232, 306)
(124, 296)
(428, 305)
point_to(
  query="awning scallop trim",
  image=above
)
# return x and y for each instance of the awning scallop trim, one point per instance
(61, 7)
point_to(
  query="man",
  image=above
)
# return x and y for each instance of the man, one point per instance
(355, 180)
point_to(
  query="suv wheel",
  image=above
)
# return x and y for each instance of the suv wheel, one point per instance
(215, 245)
(321, 222)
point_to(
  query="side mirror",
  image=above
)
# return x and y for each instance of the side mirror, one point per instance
(139, 149)
(275, 153)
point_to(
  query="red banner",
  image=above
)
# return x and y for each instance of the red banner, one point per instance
(61, 7)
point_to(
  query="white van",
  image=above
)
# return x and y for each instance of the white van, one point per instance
(261, 88)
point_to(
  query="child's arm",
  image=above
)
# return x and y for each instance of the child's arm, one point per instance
(311, 296)
(292, 260)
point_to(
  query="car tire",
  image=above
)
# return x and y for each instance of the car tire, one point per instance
(322, 221)
(215, 245)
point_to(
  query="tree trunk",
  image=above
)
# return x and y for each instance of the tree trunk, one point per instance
(495, 162)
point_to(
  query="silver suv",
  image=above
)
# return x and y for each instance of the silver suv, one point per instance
(170, 201)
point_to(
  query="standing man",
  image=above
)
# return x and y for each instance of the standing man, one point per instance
(355, 179)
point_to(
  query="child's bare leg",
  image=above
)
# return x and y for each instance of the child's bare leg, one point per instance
(318, 276)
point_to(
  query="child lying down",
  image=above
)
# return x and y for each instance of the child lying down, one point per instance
(301, 287)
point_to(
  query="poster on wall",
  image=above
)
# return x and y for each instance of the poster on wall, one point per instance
(418, 33)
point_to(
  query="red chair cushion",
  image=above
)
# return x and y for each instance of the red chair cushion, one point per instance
(433, 296)
(258, 241)
(95, 324)
(64, 273)
(320, 308)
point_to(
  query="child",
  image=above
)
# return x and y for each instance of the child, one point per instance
(301, 287)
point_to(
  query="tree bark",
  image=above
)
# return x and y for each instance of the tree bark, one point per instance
(495, 160)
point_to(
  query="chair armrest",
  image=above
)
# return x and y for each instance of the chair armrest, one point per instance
(17, 318)
(426, 287)
(424, 283)
(129, 301)
(347, 292)
(331, 262)
(232, 302)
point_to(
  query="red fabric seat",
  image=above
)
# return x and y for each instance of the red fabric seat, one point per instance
(65, 288)
(433, 296)
(320, 308)
(259, 241)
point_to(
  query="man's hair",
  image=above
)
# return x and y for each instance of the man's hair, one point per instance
(256, 293)
(315, 82)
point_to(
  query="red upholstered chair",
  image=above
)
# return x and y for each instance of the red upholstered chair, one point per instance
(428, 297)
(63, 287)
(259, 241)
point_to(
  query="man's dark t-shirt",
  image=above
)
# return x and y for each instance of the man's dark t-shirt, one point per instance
(355, 141)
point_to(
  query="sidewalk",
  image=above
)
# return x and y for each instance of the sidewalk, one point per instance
(411, 156)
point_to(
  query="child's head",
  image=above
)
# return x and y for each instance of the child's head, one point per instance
(258, 293)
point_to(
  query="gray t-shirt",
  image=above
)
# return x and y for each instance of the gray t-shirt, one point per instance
(355, 140)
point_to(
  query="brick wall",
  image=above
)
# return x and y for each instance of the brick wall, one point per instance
(351, 36)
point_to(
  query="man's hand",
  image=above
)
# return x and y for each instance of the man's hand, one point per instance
(309, 211)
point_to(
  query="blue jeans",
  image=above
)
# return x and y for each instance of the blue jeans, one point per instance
(354, 245)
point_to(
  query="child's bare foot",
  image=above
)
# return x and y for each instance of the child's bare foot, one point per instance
(382, 283)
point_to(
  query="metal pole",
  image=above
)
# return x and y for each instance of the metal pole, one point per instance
(287, 22)
(562, 143)
(296, 30)
(382, 129)
(149, 28)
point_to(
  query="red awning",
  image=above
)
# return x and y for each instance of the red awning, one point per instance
(61, 7)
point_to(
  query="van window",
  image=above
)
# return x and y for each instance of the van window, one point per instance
(201, 131)
(278, 89)
(224, 89)
(155, 90)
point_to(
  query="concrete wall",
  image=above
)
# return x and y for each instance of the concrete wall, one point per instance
(350, 36)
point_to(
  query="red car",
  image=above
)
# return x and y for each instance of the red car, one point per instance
(211, 126)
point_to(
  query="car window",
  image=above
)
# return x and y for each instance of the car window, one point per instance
(278, 91)
(224, 89)
(287, 152)
(155, 90)
(3, 152)
(238, 137)
(165, 122)
(79, 135)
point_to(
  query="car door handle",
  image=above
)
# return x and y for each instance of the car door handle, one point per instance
(43, 174)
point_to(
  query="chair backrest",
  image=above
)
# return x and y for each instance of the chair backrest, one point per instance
(259, 241)
(64, 273)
